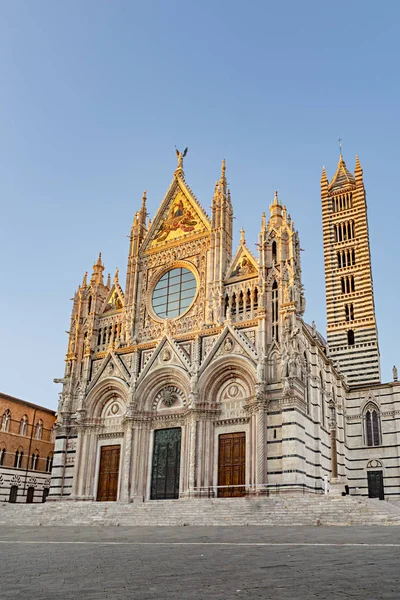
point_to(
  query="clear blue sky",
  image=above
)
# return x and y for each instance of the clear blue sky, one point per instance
(94, 96)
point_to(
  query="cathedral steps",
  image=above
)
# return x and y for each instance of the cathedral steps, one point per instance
(285, 511)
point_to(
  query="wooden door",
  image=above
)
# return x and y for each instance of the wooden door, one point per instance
(107, 490)
(166, 464)
(13, 493)
(29, 495)
(231, 464)
(375, 485)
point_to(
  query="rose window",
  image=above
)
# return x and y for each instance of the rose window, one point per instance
(174, 293)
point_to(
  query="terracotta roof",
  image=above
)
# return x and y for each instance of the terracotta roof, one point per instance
(13, 399)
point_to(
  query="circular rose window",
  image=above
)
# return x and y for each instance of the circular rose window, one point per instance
(174, 293)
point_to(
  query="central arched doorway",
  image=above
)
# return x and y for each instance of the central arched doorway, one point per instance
(166, 464)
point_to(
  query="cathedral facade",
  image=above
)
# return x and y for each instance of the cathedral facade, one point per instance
(201, 378)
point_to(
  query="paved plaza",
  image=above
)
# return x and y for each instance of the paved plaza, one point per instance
(200, 563)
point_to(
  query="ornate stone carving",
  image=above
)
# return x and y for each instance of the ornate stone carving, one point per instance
(169, 396)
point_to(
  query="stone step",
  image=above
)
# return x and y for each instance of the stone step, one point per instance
(299, 510)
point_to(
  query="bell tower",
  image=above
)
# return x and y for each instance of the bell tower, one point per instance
(351, 325)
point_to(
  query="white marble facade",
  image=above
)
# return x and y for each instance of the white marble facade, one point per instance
(230, 362)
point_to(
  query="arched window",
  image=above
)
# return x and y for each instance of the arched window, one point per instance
(372, 426)
(6, 420)
(350, 337)
(322, 399)
(18, 459)
(35, 461)
(89, 309)
(23, 426)
(49, 462)
(274, 253)
(53, 434)
(275, 312)
(39, 430)
(2, 456)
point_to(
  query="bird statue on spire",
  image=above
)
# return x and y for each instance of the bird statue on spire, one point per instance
(181, 156)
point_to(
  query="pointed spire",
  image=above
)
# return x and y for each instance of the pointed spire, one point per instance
(358, 169)
(263, 222)
(116, 275)
(84, 282)
(242, 238)
(98, 268)
(275, 198)
(109, 281)
(342, 176)
(223, 172)
(144, 198)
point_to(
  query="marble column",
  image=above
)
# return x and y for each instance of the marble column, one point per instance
(77, 464)
(127, 464)
(260, 449)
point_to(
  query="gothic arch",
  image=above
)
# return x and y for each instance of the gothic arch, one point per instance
(156, 380)
(103, 392)
(220, 371)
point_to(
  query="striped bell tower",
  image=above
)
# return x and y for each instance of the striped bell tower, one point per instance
(351, 325)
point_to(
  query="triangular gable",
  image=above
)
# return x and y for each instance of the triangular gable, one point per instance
(166, 353)
(231, 341)
(179, 216)
(112, 366)
(115, 299)
(243, 266)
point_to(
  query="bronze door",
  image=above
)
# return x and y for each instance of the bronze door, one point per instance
(375, 485)
(231, 464)
(166, 463)
(107, 490)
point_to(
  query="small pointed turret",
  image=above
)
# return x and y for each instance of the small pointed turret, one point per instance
(263, 222)
(84, 282)
(275, 211)
(98, 268)
(109, 281)
(242, 237)
(324, 178)
(116, 275)
(358, 172)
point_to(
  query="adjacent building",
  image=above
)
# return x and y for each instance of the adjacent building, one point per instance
(200, 376)
(27, 436)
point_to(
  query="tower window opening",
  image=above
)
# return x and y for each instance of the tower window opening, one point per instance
(275, 312)
(349, 312)
(89, 305)
(350, 337)
(274, 253)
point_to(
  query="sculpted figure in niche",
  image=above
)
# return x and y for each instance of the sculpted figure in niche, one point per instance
(228, 346)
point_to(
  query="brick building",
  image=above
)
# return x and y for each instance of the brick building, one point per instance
(26, 450)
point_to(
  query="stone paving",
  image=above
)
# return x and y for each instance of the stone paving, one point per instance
(278, 563)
